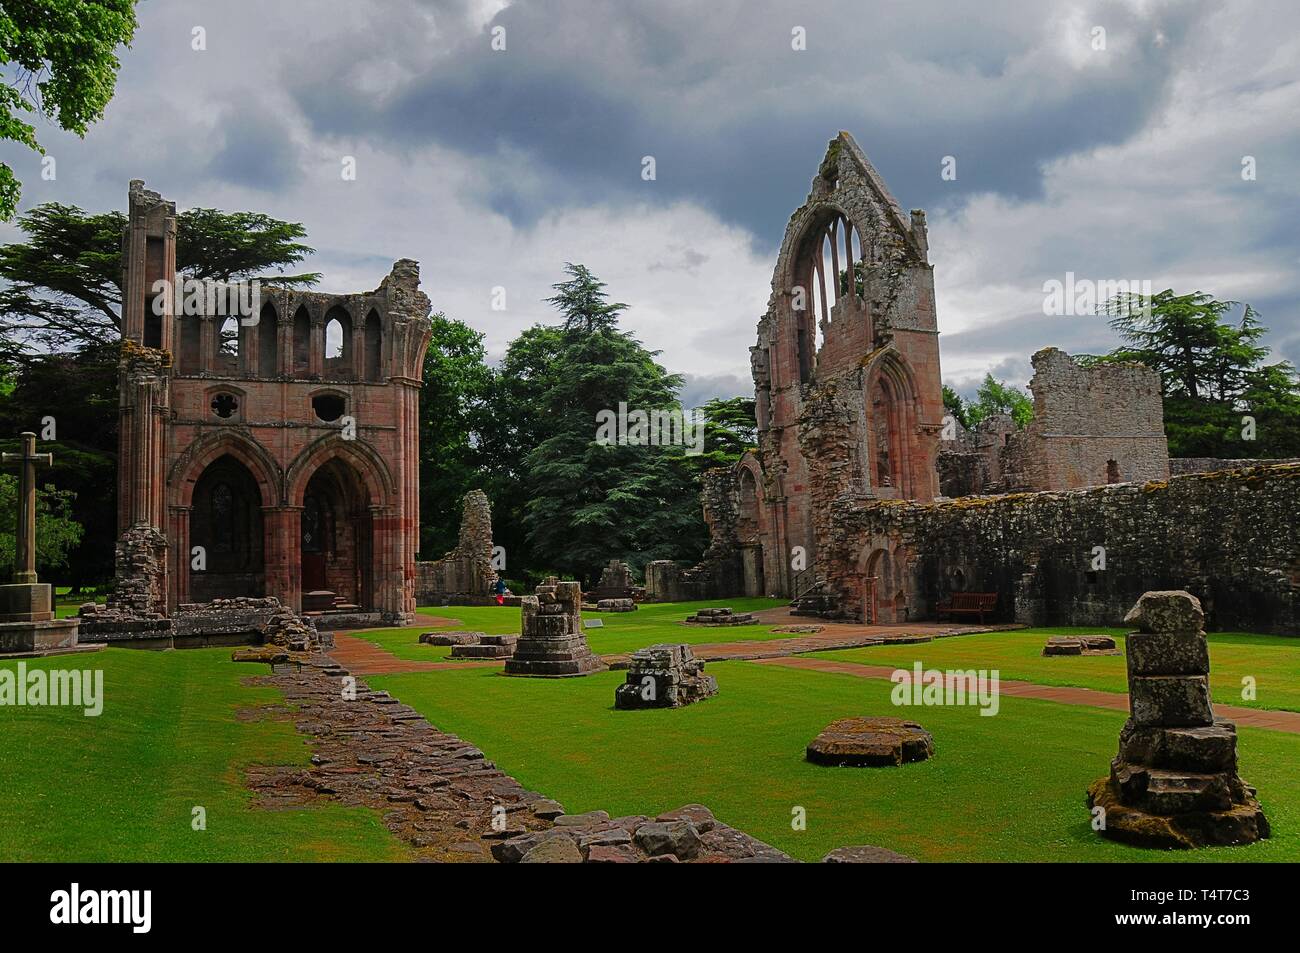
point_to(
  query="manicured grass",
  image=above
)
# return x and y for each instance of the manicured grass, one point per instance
(622, 632)
(1004, 788)
(122, 786)
(1272, 660)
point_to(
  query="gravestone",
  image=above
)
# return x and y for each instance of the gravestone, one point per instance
(552, 644)
(1174, 782)
(27, 623)
(664, 676)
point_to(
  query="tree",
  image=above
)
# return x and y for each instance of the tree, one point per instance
(954, 405)
(730, 429)
(588, 501)
(453, 412)
(60, 60)
(581, 299)
(60, 342)
(64, 281)
(1213, 374)
(999, 397)
(57, 533)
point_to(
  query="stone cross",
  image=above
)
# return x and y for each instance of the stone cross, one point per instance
(25, 536)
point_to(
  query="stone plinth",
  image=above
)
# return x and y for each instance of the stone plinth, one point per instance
(615, 605)
(487, 647)
(870, 742)
(1174, 782)
(552, 644)
(664, 676)
(27, 623)
(451, 638)
(722, 616)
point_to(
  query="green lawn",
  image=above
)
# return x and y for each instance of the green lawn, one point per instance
(622, 632)
(122, 786)
(1003, 788)
(1272, 660)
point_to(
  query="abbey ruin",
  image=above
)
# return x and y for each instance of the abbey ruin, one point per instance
(863, 501)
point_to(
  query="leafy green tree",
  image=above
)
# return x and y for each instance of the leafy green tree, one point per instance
(953, 404)
(453, 411)
(57, 533)
(1213, 374)
(59, 337)
(64, 280)
(730, 429)
(59, 58)
(999, 397)
(588, 501)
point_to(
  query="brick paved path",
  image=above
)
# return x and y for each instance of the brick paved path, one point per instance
(1288, 721)
(366, 658)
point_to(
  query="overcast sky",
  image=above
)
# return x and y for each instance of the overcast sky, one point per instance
(493, 168)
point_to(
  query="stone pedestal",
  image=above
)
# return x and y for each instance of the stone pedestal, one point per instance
(1174, 782)
(552, 644)
(27, 623)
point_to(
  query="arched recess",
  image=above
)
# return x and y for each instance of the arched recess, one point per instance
(826, 274)
(189, 466)
(749, 528)
(268, 342)
(886, 586)
(374, 347)
(230, 345)
(338, 343)
(337, 542)
(894, 451)
(370, 467)
(226, 533)
(301, 364)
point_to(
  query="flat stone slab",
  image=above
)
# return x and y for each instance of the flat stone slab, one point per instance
(451, 638)
(866, 855)
(870, 742)
(1080, 645)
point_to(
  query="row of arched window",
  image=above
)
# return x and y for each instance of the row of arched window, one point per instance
(334, 348)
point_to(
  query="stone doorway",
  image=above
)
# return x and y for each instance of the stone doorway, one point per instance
(336, 540)
(226, 521)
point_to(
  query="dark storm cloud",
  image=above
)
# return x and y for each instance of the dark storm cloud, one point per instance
(257, 152)
(736, 119)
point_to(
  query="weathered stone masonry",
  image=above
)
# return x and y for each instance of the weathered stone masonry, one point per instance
(234, 437)
(1231, 538)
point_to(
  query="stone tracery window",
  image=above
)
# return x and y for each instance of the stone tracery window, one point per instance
(832, 273)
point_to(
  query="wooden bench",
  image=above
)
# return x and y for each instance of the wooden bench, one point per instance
(969, 603)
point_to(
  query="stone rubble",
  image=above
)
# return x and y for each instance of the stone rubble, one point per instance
(721, 616)
(1080, 645)
(664, 676)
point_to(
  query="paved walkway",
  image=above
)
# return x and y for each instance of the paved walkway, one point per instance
(366, 658)
(1288, 721)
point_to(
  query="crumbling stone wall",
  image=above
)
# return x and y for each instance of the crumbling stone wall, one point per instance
(465, 575)
(1179, 466)
(1092, 426)
(1231, 538)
